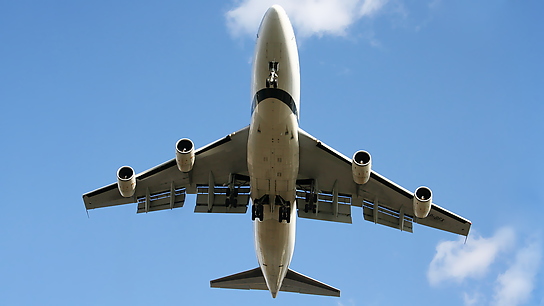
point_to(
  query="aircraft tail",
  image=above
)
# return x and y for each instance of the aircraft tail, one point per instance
(293, 282)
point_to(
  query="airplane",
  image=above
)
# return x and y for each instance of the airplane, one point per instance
(282, 170)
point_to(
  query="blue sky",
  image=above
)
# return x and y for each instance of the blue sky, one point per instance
(447, 95)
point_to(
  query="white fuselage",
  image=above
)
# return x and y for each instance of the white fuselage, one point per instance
(273, 148)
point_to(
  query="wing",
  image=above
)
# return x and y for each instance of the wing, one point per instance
(219, 176)
(325, 177)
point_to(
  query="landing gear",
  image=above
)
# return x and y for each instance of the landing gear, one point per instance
(311, 191)
(311, 200)
(285, 213)
(257, 212)
(231, 202)
(257, 209)
(272, 79)
(232, 195)
(284, 209)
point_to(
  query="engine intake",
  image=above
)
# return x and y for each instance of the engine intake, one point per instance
(361, 164)
(185, 155)
(423, 198)
(126, 181)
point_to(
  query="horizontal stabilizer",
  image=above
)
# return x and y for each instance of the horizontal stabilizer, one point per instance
(251, 279)
(293, 282)
(296, 282)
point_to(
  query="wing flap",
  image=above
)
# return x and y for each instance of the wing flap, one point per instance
(386, 216)
(162, 200)
(326, 207)
(230, 198)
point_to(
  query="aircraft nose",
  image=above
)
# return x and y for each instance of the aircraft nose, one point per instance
(275, 26)
(274, 12)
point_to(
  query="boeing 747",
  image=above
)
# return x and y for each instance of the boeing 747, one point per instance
(277, 170)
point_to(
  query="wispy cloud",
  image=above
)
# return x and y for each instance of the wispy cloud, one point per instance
(516, 284)
(309, 17)
(472, 299)
(455, 260)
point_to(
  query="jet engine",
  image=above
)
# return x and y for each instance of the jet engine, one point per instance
(185, 155)
(423, 197)
(126, 181)
(361, 167)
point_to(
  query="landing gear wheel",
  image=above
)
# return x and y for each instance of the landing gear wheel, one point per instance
(260, 212)
(285, 214)
(257, 212)
(253, 212)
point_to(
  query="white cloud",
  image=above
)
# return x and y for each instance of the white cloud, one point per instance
(309, 17)
(516, 284)
(370, 7)
(455, 260)
(472, 299)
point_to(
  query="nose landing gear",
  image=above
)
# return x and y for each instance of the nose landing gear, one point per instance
(272, 79)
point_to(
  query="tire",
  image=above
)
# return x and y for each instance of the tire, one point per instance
(288, 215)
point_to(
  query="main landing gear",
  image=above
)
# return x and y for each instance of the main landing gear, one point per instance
(257, 209)
(232, 199)
(311, 200)
(284, 211)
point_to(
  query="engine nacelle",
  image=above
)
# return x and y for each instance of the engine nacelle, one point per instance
(126, 181)
(423, 197)
(185, 155)
(361, 164)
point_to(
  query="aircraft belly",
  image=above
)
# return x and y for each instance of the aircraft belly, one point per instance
(273, 160)
(273, 152)
(274, 243)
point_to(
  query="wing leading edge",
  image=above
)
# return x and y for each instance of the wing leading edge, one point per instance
(382, 201)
